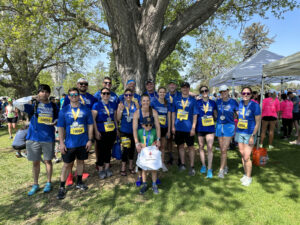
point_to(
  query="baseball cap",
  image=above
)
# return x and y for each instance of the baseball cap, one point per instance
(82, 80)
(9, 100)
(172, 82)
(223, 88)
(148, 120)
(129, 81)
(149, 81)
(185, 84)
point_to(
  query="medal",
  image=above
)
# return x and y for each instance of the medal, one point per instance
(75, 124)
(205, 116)
(128, 119)
(108, 119)
(222, 117)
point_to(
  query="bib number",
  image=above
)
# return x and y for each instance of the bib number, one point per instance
(126, 142)
(162, 119)
(10, 115)
(182, 115)
(208, 121)
(77, 130)
(45, 119)
(109, 126)
(242, 124)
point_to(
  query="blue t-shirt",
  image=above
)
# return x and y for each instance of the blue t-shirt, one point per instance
(296, 100)
(227, 110)
(190, 110)
(251, 110)
(66, 119)
(113, 97)
(136, 98)
(102, 114)
(162, 111)
(88, 100)
(126, 127)
(170, 100)
(62, 100)
(152, 96)
(210, 112)
(39, 130)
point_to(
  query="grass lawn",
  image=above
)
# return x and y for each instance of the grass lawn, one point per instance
(273, 197)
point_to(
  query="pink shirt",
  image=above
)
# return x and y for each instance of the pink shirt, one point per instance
(270, 107)
(286, 108)
(253, 100)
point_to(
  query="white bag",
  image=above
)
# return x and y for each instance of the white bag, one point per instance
(149, 158)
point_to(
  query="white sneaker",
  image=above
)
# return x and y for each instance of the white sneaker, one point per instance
(247, 181)
(164, 168)
(243, 178)
(221, 174)
(271, 147)
(226, 170)
(217, 148)
(260, 145)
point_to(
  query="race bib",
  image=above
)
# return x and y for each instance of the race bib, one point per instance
(208, 121)
(10, 115)
(77, 130)
(242, 124)
(45, 119)
(162, 119)
(109, 126)
(182, 115)
(126, 142)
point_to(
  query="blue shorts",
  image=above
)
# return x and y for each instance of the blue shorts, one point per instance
(243, 138)
(225, 130)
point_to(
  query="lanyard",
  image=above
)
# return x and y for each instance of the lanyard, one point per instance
(245, 110)
(184, 104)
(127, 108)
(75, 115)
(82, 100)
(106, 109)
(205, 107)
(146, 141)
(171, 99)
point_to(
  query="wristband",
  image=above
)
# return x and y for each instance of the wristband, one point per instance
(158, 139)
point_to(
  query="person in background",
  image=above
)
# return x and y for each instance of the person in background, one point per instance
(12, 116)
(255, 97)
(247, 128)
(62, 100)
(19, 142)
(296, 115)
(270, 110)
(107, 83)
(286, 114)
(150, 87)
(131, 85)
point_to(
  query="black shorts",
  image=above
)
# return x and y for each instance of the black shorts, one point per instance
(79, 153)
(184, 137)
(269, 118)
(203, 134)
(19, 147)
(12, 120)
(163, 131)
(296, 116)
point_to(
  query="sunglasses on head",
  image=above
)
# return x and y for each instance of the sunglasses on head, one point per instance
(73, 94)
(86, 84)
(246, 93)
(107, 82)
(202, 91)
(148, 125)
(105, 93)
(127, 95)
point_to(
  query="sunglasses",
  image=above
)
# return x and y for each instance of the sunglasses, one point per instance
(73, 94)
(82, 84)
(202, 91)
(127, 95)
(246, 93)
(148, 125)
(107, 82)
(105, 93)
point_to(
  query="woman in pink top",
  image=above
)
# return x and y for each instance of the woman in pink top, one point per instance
(270, 108)
(286, 109)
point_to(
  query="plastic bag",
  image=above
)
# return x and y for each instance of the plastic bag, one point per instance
(116, 150)
(149, 158)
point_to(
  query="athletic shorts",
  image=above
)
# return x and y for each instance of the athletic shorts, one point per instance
(203, 134)
(12, 120)
(79, 153)
(18, 148)
(269, 118)
(184, 137)
(36, 149)
(163, 131)
(296, 116)
(225, 130)
(243, 138)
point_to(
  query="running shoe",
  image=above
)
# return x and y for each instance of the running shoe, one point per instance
(102, 174)
(82, 186)
(47, 187)
(271, 147)
(221, 174)
(164, 168)
(203, 169)
(143, 189)
(108, 172)
(243, 178)
(61, 193)
(155, 189)
(209, 173)
(34, 189)
(226, 170)
(158, 181)
(260, 145)
(247, 181)
(139, 182)
(18, 155)
(182, 167)
(69, 181)
(192, 172)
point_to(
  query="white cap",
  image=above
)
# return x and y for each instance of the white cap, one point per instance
(223, 88)
(82, 80)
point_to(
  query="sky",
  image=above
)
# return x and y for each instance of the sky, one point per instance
(286, 33)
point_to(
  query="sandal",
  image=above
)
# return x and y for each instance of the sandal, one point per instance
(132, 171)
(123, 173)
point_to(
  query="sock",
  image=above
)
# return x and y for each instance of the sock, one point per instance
(62, 184)
(153, 183)
(79, 179)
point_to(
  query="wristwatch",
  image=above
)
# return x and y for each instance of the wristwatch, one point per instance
(158, 139)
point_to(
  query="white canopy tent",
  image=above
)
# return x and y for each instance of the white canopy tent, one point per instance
(250, 72)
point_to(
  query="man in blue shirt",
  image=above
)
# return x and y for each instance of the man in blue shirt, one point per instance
(40, 137)
(107, 83)
(75, 128)
(184, 119)
(150, 87)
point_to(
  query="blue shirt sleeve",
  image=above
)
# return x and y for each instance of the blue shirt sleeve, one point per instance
(89, 117)
(66, 102)
(195, 107)
(61, 119)
(257, 109)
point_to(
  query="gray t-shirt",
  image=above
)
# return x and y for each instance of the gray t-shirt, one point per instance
(20, 138)
(296, 106)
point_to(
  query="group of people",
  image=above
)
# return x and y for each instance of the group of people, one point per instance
(154, 118)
